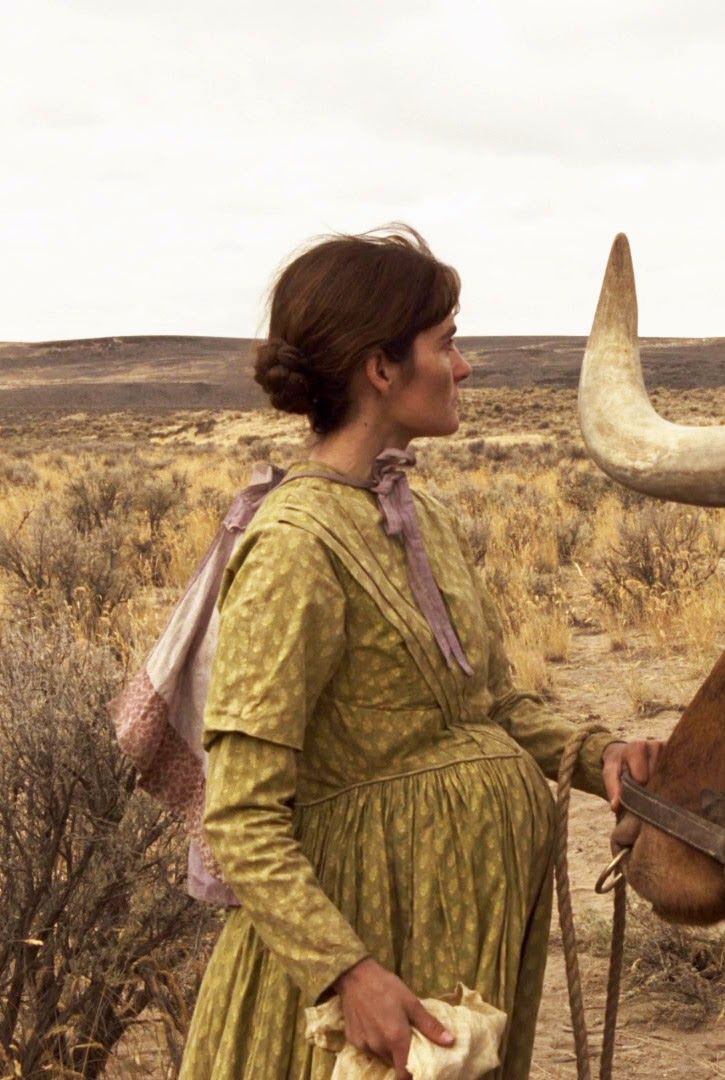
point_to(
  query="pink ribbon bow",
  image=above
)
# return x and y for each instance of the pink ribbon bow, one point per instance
(390, 484)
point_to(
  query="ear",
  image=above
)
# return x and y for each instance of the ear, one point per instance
(380, 371)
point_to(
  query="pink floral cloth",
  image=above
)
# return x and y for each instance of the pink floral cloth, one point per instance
(159, 715)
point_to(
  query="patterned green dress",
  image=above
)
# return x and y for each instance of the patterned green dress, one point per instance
(362, 797)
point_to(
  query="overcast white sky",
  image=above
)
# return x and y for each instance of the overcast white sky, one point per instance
(161, 158)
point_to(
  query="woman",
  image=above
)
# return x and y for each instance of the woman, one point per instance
(378, 804)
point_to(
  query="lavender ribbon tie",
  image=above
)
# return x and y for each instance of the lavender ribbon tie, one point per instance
(390, 484)
(240, 513)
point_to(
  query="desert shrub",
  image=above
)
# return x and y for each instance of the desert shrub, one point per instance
(476, 445)
(468, 502)
(573, 451)
(477, 532)
(522, 509)
(631, 499)
(215, 500)
(159, 496)
(92, 548)
(572, 535)
(17, 474)
(94, 497)
(450, 497)
(203, 427)
(583, 488)
(55, 565)
(260, 449)
(663, 551)
(467, 496)
(93, 924)
(497, 452)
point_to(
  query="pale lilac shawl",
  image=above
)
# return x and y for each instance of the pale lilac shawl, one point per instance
(159, 715)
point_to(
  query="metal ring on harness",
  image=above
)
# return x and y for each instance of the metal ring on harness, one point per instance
(600, 886)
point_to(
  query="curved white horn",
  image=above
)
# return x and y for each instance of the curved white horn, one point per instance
(621, 429)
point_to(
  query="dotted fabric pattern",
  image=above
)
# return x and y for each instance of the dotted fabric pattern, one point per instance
(363, 798)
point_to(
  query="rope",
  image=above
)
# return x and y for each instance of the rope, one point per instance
(566, 920)
(615, 972)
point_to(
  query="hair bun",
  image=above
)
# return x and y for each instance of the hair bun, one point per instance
(283, 372)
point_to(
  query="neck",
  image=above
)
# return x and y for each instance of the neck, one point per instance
(352, 450)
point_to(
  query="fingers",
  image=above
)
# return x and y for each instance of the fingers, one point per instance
(400, 1049)
(392, 1046)
(379, 1009)
(640, 757)
(654, 749)
(636, 758)
(386, 1038)
(611, 772)
(427, 1025)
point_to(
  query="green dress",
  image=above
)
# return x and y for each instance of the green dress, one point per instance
(363, 799)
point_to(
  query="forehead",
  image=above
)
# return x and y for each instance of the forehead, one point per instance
(447, 326)
(439, 331)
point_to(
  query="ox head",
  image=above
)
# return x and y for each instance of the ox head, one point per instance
(638, 448)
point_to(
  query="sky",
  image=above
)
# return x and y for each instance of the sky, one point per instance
(161, 160)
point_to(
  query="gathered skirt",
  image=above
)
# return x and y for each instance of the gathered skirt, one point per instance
(445, 875)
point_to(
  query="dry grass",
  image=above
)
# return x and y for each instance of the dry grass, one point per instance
(534, 507)
(673, 975)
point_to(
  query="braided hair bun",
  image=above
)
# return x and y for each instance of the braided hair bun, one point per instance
(283, 372)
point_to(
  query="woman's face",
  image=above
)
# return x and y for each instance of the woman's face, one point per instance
(426, 401)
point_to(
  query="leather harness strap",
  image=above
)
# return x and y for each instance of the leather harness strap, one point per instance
(693, 829)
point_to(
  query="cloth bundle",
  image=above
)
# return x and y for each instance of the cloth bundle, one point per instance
(478, 1028)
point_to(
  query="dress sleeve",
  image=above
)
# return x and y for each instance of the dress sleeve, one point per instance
(248, 823)
(281, 636)
(523, 714)
(532, 724)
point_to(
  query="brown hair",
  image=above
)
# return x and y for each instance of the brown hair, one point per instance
(339, 301)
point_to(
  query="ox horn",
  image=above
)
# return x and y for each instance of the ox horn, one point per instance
(622, 431)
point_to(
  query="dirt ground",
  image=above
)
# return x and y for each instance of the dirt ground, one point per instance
(596, 684)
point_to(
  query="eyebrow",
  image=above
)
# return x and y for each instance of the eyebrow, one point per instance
(450, 332)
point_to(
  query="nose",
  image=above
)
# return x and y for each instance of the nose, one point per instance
(461, 368)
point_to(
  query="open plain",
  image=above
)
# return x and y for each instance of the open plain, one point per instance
(614, 607)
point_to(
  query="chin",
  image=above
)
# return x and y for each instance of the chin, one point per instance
(433, 431)
(440, 425)
(453, 424)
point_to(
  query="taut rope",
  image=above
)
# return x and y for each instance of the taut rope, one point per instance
(566, 921)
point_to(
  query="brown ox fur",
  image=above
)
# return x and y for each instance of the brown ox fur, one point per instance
(682, 884)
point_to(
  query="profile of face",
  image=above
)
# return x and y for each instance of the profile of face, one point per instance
(422, 398)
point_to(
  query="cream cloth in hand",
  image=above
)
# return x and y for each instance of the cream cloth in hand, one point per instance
(478, 1028)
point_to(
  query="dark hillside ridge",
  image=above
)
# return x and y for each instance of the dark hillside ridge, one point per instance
(676, 363)
(177, 372)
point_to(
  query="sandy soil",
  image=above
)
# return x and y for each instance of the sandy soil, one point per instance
(596, 684)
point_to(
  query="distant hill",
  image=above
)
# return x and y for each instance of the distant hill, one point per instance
(118, 373)
(676, 363)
